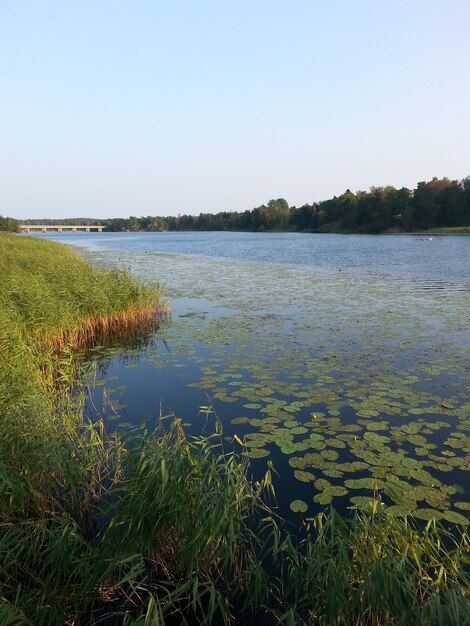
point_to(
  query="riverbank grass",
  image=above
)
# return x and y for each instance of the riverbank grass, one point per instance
(52, 302)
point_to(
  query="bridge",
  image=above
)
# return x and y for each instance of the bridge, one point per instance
(26, 228)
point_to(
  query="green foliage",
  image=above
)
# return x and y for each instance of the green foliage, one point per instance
(374, 569)
(9, 224)
(438, 203)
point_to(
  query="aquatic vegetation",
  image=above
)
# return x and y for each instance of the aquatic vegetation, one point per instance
(298, 506)
(347, 392)
(375, 569)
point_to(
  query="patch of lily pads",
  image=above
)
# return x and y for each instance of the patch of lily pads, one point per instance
(338, 375)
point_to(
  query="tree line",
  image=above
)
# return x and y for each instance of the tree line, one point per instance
(433, 204)
(440, 202)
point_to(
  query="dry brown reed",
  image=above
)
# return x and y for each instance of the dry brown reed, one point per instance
(100, 329)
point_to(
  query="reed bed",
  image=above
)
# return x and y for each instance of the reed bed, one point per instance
(162, 528)
(52, 302)
(51, 289)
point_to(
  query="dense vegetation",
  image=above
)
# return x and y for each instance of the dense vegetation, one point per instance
(159, 528)
(9, 224)
(439, 203)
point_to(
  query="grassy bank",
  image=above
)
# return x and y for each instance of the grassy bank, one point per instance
(51, 303)
(159, 528)
(450, 230)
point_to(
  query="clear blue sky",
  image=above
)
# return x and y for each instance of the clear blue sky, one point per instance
(113, 108)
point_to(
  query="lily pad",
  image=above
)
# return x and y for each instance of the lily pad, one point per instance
(411, 429)
(377, 426)
(330, 455)
(323, 498)
(427, 514)
(298, 506)
(372, 436)
(333, 473)
(455, 518)
(410, 463)
(322, 484)
(417, 440)
(240, 420)
(257, 453)
(304, 476)
(299, 430)
(298, 462)
(364, 503)
(464, 506)
(397, 511)
(363, 483)
(336, 490)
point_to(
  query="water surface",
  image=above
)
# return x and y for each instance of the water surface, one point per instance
(343, 359)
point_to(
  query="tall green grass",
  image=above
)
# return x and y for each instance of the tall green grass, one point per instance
(52, 301)
(162, 528)
(373, 569)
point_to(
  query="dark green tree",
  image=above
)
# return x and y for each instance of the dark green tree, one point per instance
(9, 224)
(280, 212)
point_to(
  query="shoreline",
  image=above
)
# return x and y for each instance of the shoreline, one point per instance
(422, 233)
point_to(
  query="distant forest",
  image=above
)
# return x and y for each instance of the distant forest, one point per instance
(439, 203)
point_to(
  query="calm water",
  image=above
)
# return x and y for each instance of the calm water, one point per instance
(344, 359)
(444, 260)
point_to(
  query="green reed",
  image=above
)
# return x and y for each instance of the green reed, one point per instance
(373, 569)
(162, 528)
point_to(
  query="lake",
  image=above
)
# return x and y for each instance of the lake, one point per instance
(341, 359)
